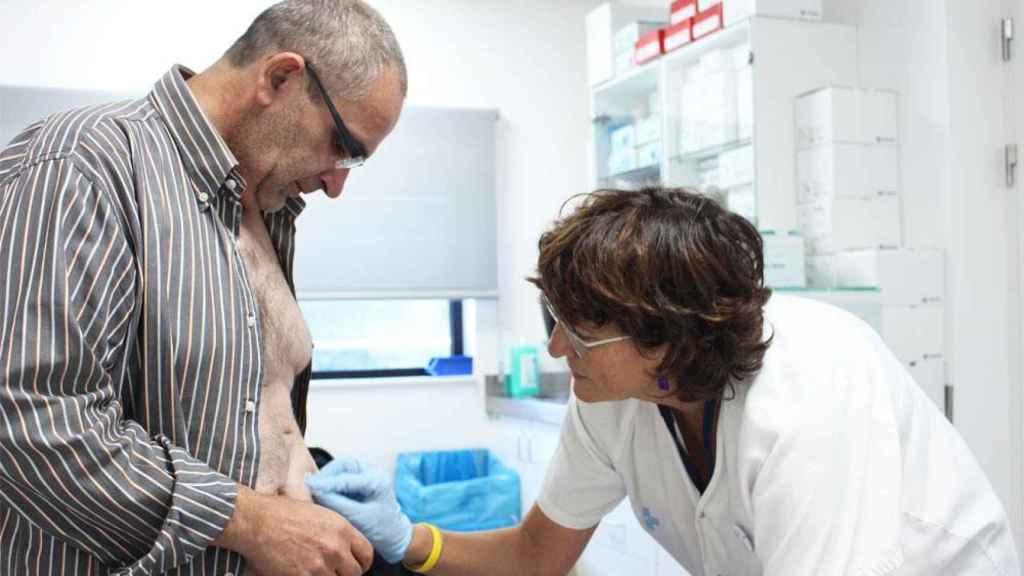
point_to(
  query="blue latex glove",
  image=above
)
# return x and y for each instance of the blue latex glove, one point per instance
(365, 497)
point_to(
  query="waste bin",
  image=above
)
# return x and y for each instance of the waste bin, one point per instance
(460, 490)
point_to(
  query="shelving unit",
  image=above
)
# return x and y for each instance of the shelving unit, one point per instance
(760, 51)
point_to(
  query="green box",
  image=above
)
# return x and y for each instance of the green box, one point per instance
(524, 372)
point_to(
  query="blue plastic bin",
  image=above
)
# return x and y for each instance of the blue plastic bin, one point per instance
(460, 490)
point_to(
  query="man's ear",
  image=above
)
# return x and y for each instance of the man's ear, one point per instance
(276, 72)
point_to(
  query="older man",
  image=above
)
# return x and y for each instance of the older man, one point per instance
(153, 360)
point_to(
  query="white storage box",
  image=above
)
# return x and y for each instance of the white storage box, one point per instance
(904, 277)
(624, 63)
(849, 115)
(622, 138)
(648, 155)
(741, 200)
(821, 270)
(913, 332)
(737, 10)
(602, 22)
(930, 376)
(835, 223)
(622, 161)
(784, 265)
(648, 129)
(847, 170)
(736, 167)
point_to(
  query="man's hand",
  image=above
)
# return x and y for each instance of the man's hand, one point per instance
(365, 497)
(281, 536)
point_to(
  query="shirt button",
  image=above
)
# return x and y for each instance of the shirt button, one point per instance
(204, 197)
(701, 515)
(231, 184)
(229, 574)
(251, 321)
(250, 406)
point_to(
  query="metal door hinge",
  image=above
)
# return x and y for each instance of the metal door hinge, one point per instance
(1011, 165)
(1007, 39)
(949, 402)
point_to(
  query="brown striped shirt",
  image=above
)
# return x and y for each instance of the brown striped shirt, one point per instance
(130, 359)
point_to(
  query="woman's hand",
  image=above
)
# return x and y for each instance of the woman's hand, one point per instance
(364, 496)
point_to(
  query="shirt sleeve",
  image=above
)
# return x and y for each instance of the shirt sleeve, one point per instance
(581, 485)
(70, 463)
(827, 497)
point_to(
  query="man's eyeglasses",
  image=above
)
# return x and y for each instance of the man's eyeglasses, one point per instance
(353, 150)
(579, 345)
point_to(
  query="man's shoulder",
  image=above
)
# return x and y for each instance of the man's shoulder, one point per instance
(90, 134)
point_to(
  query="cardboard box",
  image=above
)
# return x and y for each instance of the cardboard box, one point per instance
(846, 115)
(678, 35)
(707, 22)
(682, 10)
(625, 38)
(738, 10)
(913, 332)
(930, 376)
(847, 170)
(736, 167)
(784, 259)
(649, 46)
(832, 224)
(904, 277)
(601, 23)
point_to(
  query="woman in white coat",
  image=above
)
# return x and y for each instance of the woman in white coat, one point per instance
(753, 434)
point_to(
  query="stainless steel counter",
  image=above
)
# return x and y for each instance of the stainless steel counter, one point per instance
(549, 406)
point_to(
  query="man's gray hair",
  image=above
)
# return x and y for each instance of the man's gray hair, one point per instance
(348, 41)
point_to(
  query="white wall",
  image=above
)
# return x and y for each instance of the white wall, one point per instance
(525, 58)
(943, 59)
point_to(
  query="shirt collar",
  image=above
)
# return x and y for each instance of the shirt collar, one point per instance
(206, 156)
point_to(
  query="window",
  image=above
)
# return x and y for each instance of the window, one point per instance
(375, 338)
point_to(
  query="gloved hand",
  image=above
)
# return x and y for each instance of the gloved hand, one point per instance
(365, 497)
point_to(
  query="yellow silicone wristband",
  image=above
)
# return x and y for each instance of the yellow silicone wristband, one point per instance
(435, 552)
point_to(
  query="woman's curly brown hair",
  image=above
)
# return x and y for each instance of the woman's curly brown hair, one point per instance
(665, 266)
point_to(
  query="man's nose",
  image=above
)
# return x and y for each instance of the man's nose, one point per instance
(334, 182)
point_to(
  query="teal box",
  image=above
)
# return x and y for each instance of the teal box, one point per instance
(524, 372)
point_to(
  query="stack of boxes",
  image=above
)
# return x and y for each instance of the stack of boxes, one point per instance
(636, 143)
(637, 43)
(623, 34)
(848, 210)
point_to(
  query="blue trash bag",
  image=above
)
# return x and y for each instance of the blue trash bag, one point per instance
(459, 490)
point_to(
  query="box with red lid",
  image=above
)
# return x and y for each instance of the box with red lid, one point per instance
(678, 35)
(649, 46)
(708, 22)
(682, 10)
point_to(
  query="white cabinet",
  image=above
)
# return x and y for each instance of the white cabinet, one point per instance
(527, 447)
(723, 93)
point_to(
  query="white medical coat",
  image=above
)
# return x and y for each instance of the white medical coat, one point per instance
(830, 462)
